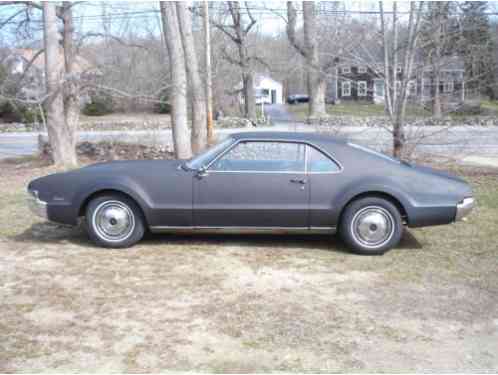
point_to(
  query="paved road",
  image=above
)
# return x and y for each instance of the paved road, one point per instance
(279, 113)
(457, 141)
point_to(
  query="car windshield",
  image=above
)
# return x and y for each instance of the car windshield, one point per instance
(204, 158)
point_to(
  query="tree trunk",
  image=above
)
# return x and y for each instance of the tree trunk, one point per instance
(209, 84)
(71, 86)
(199, 131)
(248, 93)
(436, 96)
(387, 79)
(61, 140)
(247, 82)
(316, 81)
(181, 139)
(398, 137)
(394, 67)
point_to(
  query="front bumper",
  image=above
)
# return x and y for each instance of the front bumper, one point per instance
(464, 208)
(36, 205)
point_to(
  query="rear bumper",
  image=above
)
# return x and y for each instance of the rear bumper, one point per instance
(464, 208)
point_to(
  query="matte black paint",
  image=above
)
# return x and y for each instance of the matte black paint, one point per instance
(172, 196)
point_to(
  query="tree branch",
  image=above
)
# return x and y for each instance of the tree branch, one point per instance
(291, 29)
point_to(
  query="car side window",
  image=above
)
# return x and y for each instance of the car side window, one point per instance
(319, 162)
(263, 156)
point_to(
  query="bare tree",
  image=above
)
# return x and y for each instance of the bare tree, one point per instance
(309, 50)
(199, 130)
(397, 95)
(71, 87)
(238, 31)
(62, 138)
(209, 83)
(172, 37)
(439, 42)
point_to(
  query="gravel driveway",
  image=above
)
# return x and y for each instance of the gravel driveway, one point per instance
(245, 303)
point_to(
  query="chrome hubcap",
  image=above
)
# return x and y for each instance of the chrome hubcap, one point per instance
(113, 221)
(372, 226)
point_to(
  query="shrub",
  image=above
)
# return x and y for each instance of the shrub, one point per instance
(18, 113)
(99, 105)
(164, 106)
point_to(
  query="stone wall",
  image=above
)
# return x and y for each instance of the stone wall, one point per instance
(124, 124)
(106, 151)
(382, 121)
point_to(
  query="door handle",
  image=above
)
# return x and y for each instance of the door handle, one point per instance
(298, 181)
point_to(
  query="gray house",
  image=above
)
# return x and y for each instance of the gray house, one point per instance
(357, 82)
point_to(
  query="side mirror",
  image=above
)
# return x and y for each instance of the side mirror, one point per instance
(202, 172)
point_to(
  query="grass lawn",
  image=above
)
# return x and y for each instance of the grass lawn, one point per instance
(491, 105)
(246, 303)
(354, 109)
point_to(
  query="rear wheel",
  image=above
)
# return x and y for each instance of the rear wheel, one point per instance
(114, 220)
(371, 225)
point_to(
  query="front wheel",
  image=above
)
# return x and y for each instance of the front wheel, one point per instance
(371, 225)
(114, 221)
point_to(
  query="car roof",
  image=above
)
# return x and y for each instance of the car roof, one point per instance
(290, 136)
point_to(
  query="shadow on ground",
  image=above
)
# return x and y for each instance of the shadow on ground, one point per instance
(47, 232)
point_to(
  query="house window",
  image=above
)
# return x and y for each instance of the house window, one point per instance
(448, 86)
(379, 87)
(346, 69)
(398, 69)
(412, 88)
(362, 88)
(346, 88)
(362, 69)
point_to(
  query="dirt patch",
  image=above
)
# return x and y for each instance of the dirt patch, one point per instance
(245, 303)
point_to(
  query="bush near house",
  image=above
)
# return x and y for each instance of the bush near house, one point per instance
(18, 113)
(163, 106)
(99, 105)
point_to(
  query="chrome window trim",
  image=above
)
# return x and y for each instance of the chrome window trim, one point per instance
(305, 143)
(229, 137)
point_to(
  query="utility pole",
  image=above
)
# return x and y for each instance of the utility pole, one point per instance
(209, 88)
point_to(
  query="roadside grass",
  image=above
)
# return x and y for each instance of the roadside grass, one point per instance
(253, 303)
(491, 105)
(357, 109)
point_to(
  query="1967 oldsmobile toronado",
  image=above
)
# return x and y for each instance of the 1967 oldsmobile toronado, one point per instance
(257, 181)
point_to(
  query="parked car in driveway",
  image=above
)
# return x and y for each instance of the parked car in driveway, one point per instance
(257, 182)
(298, 98)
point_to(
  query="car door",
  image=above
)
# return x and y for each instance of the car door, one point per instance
(259, 184)
(325, 182)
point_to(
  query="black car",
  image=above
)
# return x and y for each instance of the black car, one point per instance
(298, 98)
(257, 182)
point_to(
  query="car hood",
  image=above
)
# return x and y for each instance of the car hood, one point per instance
(124, 167)
(71, 181)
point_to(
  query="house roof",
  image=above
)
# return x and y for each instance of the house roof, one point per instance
(260, 77)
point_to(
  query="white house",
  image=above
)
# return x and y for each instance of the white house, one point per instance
(266, 90)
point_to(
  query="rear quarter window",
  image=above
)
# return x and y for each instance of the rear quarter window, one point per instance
(318, 162)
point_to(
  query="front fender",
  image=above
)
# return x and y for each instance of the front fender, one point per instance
(121, 184)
